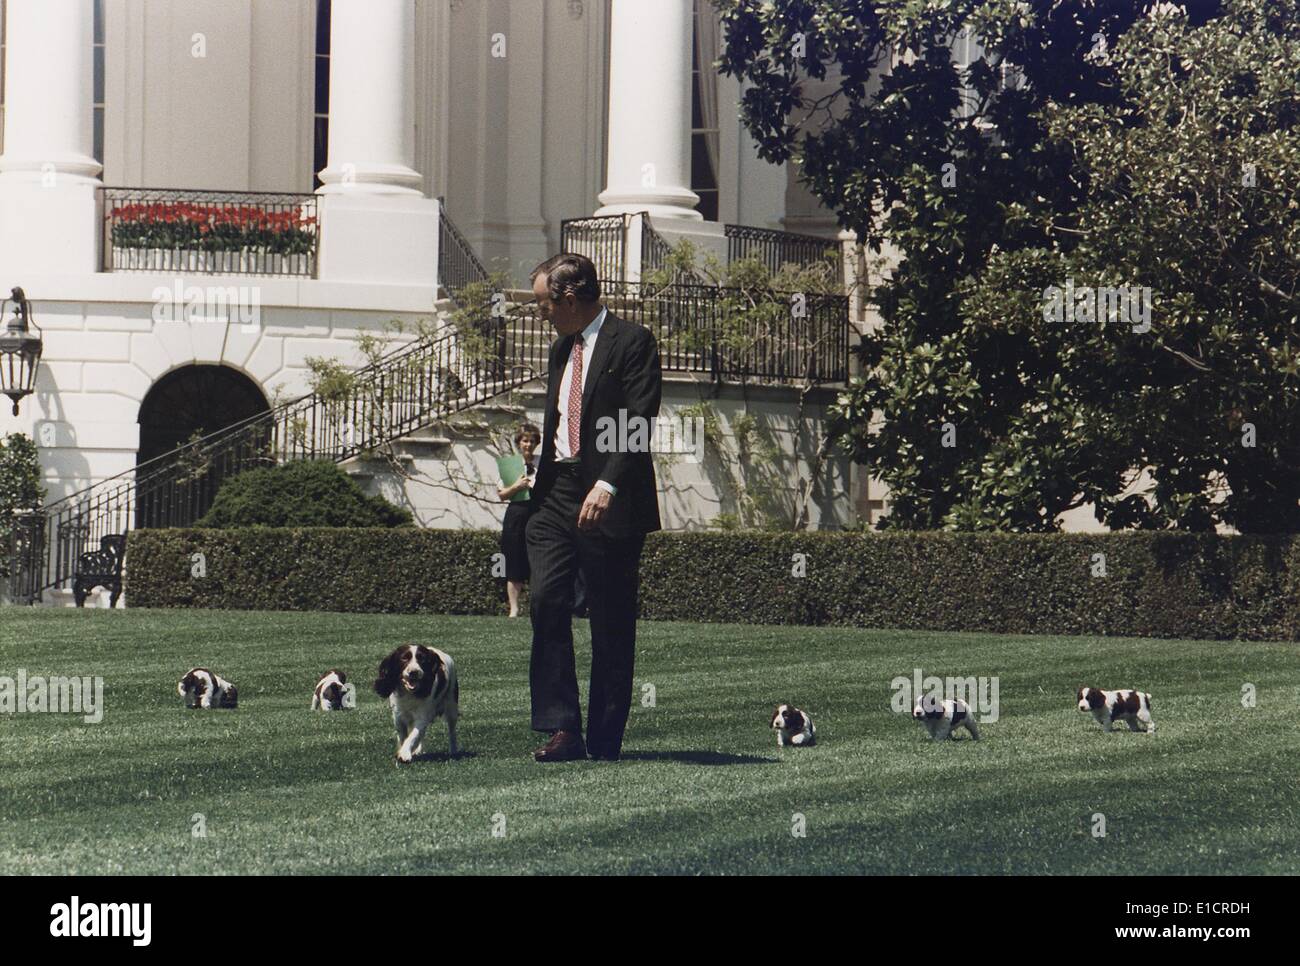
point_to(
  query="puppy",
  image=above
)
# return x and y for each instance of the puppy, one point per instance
(333, 693)
(942, 718)
(1108, 707)
(793, 727)
(420, 685)
(202, 688)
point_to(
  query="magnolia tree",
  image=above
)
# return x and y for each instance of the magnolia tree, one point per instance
(1191, 206)
(1095, 220)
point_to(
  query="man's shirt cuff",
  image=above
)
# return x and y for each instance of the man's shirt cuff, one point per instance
(608, 487)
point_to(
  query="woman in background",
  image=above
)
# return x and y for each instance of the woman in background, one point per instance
(527, 439)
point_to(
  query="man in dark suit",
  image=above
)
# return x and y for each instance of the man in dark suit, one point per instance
(593, 503)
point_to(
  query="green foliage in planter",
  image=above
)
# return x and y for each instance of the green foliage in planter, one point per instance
(1166, 584)
(750, 315)
(300, 494)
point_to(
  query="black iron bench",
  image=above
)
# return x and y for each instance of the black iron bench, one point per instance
(101, 568)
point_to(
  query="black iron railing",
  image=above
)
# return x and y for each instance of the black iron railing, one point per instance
(26, 547)
(602, 239)
(458, 266)
(776, 249)
(210, 232)
(605, 241)
(655, 250)
(710, 329)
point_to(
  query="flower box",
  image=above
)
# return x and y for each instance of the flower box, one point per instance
(228, 237)
(129, 259)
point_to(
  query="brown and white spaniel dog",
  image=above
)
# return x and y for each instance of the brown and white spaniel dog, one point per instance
(202, 688)
(942, 718)
(333, 693)
(1131, 707)
(793, 727)
(420, 685)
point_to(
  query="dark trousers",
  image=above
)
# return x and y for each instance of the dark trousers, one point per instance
(610, 568)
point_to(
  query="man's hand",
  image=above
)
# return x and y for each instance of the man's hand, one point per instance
(593, 508)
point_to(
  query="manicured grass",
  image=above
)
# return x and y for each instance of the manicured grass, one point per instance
(703, 787)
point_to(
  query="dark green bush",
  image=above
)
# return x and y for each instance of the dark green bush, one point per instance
(20, 486)
(300, 494)
(1156, 584)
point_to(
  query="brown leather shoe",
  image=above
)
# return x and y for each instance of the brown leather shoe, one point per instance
(563, 746)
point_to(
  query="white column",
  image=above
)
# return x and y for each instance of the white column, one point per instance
(48, 174)
(376, 224)
(524, 225)
(649, 151)
(372, 98)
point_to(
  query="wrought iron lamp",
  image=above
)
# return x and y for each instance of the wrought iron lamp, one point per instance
(20, 349)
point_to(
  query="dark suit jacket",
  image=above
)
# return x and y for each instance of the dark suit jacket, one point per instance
(622, 374)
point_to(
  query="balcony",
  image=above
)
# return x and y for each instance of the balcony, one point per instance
(625, 247)
(729, 334)
(210, 232)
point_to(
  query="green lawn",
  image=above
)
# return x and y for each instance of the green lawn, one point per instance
(703, 788)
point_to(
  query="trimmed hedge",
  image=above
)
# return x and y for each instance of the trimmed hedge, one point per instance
(1157, 584)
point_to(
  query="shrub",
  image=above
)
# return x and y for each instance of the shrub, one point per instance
(301, 494)
(20, 486)
(1155, 584)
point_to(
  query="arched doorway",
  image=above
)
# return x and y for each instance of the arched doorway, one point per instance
(193, 400)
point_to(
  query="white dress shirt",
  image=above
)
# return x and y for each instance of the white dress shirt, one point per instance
(561, 441)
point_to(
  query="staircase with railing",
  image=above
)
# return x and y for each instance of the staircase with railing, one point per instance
(458, 266)
(406, 390)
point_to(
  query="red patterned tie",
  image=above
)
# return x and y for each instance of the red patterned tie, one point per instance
(575, 396)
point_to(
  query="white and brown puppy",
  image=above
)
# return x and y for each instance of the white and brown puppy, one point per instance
(202, 688)
(942, 718)
(333, 693)
(1131, 707)
(793, 727)
(420, 685)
